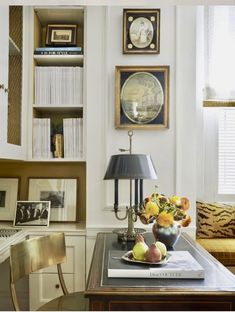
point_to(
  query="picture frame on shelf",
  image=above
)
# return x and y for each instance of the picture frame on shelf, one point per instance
(61, 35)
(61, 192)
(141, 31)
(9, 189)
(142, 97)
(32, 213)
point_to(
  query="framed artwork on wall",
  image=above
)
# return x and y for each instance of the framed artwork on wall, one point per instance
(141, 31)
(142, 97)
(8, 197)
(32, 213)
(62, 194)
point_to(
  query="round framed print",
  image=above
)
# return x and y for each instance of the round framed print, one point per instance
(141, 32)
(142, 97)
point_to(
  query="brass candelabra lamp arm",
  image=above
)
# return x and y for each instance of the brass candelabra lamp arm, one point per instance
(117, 216)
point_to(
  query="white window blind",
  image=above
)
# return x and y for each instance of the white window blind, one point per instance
(219, 53)
(226, 152)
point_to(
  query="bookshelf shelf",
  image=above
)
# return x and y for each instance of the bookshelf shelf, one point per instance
(59, 60)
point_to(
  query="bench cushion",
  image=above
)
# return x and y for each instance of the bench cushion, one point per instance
(215, 220)
(223, 249)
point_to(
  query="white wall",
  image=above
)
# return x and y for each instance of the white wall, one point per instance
(173, 150)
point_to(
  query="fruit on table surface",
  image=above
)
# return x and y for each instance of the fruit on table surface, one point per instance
(139, 251)
(153, 254)
(162, 248)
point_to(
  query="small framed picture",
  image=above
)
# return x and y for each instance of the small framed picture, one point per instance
(61, 35)
(8, 198)
(141, 31)
(62, 194)
(32, 213)
(142, 97)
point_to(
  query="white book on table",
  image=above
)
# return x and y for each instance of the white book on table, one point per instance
(181, 265)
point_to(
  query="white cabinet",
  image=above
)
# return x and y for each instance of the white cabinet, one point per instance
(57, 82)
(44, 285)
(12, 101)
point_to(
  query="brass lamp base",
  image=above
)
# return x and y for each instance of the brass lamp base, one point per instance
(124, 236)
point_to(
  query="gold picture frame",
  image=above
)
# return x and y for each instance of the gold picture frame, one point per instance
(141, 31)
(142, 97)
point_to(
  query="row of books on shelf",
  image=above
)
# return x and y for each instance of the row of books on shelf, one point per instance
(68, 144)
(58, 86)
(58, 51)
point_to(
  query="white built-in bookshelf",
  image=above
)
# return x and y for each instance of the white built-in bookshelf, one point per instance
(58, 91)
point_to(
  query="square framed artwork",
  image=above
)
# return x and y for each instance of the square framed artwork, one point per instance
(8, 197)
(141, 31)
(32, 213)
(61, 35)
(62, 193)
(142, 97)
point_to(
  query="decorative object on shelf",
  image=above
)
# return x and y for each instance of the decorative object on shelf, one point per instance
(142, 97)
(130, 167)
(61, 35)
(58, 145)
(32, 213)
(168, 213)
(141, 31)
(8, 197)
(62, 193)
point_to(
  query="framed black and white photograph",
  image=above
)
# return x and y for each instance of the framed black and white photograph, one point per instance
(142, 97)
(141, 31)
(61, 35)
(62, 194)
(8, 197)
(32, 213)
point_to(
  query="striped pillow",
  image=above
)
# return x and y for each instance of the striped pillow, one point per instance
(215, 220)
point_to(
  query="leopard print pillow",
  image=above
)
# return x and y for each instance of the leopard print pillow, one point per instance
(215, 220)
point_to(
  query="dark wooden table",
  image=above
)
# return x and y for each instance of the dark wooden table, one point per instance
(216, 292)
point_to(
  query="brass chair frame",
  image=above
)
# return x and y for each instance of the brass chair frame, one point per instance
(34, 254)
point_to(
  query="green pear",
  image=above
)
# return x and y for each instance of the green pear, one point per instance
(139, 250)
(162, 247)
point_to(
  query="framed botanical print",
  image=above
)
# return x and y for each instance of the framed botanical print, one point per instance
(141, 31)
(142, 97)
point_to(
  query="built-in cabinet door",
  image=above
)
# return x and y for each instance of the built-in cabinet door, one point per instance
(4, 22)
(11, 70)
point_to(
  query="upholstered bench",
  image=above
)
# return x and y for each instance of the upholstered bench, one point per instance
(216, 230)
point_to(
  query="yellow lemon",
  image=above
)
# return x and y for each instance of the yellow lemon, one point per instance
(151, 208)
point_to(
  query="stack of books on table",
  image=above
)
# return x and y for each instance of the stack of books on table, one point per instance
(181, 264)
(58, 51)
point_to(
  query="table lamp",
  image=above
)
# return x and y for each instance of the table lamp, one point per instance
(131, 167)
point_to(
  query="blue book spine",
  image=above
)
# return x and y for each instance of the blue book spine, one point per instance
(57, 49)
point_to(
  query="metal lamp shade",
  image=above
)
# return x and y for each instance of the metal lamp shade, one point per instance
(130, 166)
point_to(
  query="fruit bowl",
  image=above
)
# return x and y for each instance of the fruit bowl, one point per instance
(128, 256)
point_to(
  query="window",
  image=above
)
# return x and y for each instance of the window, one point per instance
(219, 54)
(226, 152)
(218, 158)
